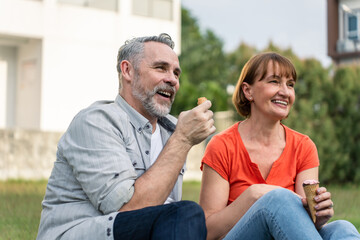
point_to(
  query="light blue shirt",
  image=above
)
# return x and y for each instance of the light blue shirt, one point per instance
(105, 149)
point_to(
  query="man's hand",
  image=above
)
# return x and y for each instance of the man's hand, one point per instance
(196, 124)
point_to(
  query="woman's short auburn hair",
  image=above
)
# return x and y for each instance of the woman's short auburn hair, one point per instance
(256, 68)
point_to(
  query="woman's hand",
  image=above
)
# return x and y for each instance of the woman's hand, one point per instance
(324, 207)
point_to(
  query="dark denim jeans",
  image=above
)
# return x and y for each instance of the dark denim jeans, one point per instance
(180, 220)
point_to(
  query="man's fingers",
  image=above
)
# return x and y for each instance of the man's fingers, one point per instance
(204, 106)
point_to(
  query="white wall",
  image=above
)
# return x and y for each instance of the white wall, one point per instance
(8, 59)
(28, 85)
(78, 51)
(3, 95)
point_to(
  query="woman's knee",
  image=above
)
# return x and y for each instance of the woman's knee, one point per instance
(341, 224)
(339, 229)
(281, 200)
(281, 195)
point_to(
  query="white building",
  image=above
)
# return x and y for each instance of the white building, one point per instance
(59, 56)
(343, 17)
(56, 58)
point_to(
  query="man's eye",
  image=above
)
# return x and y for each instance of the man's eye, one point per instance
(160, 67)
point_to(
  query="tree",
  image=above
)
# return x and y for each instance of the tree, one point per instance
(344, 104)
(204, 68)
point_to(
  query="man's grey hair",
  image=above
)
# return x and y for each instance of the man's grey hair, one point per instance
(133, 50)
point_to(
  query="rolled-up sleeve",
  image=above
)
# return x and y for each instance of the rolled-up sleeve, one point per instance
(96, 145)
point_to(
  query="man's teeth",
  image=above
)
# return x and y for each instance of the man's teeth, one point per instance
(280, 102)
(165, 93)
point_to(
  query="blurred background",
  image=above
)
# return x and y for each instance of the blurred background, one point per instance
(59, 56)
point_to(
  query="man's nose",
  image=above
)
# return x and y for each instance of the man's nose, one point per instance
(172, 79)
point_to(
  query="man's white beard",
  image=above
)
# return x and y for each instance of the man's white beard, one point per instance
(147, 99)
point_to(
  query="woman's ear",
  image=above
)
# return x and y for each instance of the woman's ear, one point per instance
(246, 88)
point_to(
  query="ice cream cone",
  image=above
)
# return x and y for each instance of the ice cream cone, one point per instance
(201, 100)
(310, 192)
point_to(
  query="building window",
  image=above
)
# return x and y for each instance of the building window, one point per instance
(351, 22)
(100, 4)
(352, 29)
(162, 9)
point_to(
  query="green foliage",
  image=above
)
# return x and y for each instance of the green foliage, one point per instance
(203, 67)
(344, 103)
(327, 99)
(237, 60)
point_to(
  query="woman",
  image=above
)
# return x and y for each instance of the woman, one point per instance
(253, 171)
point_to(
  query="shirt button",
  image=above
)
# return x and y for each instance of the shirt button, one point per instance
(147, 152)
(139, 129)
(110, 218)
(182, 171)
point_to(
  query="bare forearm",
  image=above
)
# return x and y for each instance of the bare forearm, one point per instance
(155, 185)
(220, 223)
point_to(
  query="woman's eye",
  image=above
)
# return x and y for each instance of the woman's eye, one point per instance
(291, 84)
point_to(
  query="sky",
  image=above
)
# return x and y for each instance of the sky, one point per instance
(299, 24)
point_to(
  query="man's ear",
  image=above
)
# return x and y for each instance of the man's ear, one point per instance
(246, 88)
(127, 70)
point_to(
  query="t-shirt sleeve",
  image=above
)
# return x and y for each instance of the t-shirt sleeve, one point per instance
(307, 155)
(215, 156)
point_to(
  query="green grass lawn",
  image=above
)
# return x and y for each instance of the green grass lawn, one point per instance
(20, 206)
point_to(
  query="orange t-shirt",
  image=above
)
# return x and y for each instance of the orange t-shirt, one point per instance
(227, 155)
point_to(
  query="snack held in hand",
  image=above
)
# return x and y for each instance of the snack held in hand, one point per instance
(310, 187)
(201, 100)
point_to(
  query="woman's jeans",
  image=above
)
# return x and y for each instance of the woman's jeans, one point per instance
(180, 220)
(280, 214)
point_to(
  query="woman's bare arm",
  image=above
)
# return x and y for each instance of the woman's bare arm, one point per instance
(214, 195)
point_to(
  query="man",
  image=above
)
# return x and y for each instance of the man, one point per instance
(119, 162)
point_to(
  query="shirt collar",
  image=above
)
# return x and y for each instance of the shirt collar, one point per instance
(139, 121)
(136, 119)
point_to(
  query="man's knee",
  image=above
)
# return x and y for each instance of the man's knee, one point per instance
(182, 220)
(190, 209)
